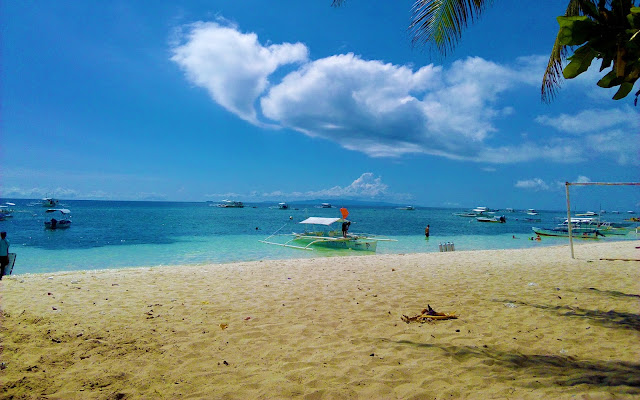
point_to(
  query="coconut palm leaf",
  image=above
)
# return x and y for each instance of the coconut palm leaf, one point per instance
(441, 22)
(553, 78)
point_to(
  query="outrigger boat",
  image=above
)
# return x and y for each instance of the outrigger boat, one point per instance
(607, 228)
(327, 233)
(564, 232)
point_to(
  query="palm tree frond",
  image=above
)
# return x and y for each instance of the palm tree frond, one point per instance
(553, 77)
(441, 22)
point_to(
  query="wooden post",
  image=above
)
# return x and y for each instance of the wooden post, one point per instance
(567, 184)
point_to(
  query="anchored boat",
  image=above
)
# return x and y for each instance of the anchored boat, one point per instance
(564, 232)
(61, 222)
(327, 233)
(230, 204)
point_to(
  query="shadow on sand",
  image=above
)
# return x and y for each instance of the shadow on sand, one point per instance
(610, 319)
(612, 293)
(565, 371)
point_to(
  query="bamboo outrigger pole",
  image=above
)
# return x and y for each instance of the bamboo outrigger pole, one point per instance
(567, 184)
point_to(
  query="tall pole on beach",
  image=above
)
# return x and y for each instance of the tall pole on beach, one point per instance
(567, 184)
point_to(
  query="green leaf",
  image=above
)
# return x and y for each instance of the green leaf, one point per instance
(580, 62)
(609, 80)
(574, 31)
(606, 63)
(624, 90)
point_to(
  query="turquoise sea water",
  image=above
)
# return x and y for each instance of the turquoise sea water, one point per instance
(112, 234)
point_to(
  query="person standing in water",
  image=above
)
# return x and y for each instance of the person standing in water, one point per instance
(345, 228)
(426, 232)
(4, 253)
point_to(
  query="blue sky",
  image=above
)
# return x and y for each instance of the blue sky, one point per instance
(291, 100)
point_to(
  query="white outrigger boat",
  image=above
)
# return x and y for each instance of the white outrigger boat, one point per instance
(327, 233)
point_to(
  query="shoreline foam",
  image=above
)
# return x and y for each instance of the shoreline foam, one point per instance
(533, 324)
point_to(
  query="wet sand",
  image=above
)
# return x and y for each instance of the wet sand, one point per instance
(533, 324)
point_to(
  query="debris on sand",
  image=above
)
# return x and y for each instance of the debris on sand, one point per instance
(429, 314)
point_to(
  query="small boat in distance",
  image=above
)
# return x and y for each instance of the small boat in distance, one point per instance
(532, 211)
(466, 214)
(49, 202)
(6, 211)
(230, 204)
(326, 205)
(500, 220)
(62, 222)
(409, 208)
(283, 206)
(587, 214)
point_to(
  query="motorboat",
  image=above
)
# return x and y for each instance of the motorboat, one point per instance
(587, 214)
(60, 218)
(481, 211)
(466, 214)
(6, 211)
(500, 220)
(408, 208)
(532, 211)
(283, 206)
(230, 204)
(326, 205)
(49, 202)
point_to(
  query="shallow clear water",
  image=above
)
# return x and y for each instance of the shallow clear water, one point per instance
(126, 234)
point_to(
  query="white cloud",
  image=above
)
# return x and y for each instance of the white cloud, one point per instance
(582, 179)
(365, 187)
(535, 184)
(66, 193)
(388, 110)
(592, 120)
(231, 65)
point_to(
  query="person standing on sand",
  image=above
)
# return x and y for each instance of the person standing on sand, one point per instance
(4, 253)
(426, 231)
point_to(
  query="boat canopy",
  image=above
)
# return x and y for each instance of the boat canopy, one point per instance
(321, 221)
(62, 210)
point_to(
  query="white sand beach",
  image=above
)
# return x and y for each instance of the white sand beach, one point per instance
(533, 324)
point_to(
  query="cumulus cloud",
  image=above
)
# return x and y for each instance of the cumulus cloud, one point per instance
(535, 184)
(383, 109)
(233, 66)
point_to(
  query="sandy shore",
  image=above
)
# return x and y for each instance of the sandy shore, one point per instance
(533, 324)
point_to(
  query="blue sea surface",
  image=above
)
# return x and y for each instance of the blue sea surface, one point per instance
(118, 234)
